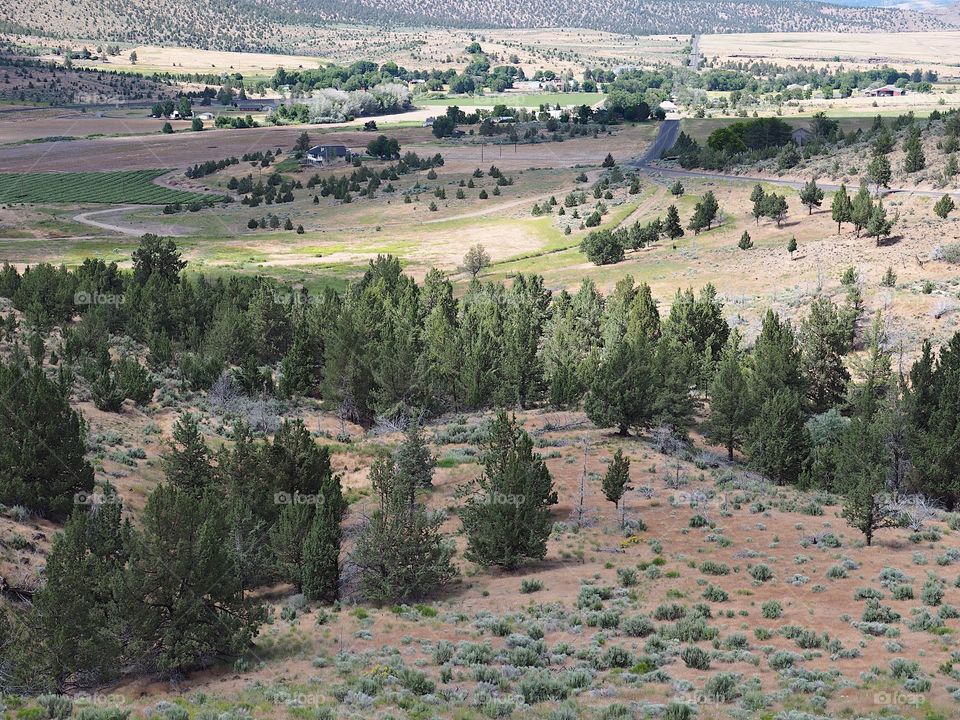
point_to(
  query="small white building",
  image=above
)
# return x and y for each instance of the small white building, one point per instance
(668, 106)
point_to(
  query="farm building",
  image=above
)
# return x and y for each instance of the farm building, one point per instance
(800, 137)
(329, 153)
(668, 106)
(885, 91)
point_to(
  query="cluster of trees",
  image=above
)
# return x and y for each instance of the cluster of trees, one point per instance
(758, 78)
(365, 181)
(862, 212)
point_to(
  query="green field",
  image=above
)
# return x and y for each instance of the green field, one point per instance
(531, 100)
(134, 186)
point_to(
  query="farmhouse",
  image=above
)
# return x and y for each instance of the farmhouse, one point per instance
(527, 85)
(328, 153)
(885, 91)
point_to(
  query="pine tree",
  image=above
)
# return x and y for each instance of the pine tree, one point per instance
(873, 371)
(811, 196)
(841, 209)
(792, 245)
(914, 159)
(863, 465)
(400, 553)
(187, 465)
(730, 406)
(672, 226)
(745, 241)
(525, 314)
(616, 479)
(775, 362)
(507, 518)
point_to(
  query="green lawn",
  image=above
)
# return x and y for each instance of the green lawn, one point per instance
(134, 186)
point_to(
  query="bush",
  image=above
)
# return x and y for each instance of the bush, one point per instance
(761, 572)
(771, 609)
(627, 576)
(56, 707)
(530, 586)
(932, 592)
(715, 594)
(709, 567)
(722, 687)
(636, 626)
(695, 658)
(540, 686)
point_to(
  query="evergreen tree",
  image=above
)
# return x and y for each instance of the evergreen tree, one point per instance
(320, 575)
(745, 242)
(183, 595)
(400, 553)
(412, 456)
(777, 440)
(824, 342)
(157, 257)
(914, 159)
(758, 197)
(730, 406)
(76, 610)
(775, 207)
(841, 210)
(775, 362)
(672, 227)
(616, 479)
(811, 196)
(879, 172)
(42, 448)
(524, 317)
(873, 370)
(861, 209)
(863, 465)
(187, 465)
(944, 206)
(622, 391)
(507, 518)
(878, 226)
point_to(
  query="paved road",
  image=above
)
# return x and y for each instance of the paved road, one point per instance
(667, 136)
(695, 53)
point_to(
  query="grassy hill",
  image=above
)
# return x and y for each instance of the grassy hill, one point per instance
(259, 25)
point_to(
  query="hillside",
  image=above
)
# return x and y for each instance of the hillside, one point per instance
(258, 25)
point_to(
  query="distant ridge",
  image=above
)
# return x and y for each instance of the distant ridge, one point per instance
(270, 25)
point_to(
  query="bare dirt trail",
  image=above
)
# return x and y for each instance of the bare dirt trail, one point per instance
(87, 219)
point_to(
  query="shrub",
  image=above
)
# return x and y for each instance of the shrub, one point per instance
(627, 576)
(932, 592)
(715, 594)
(709, 567)
(722, 687)
(695, 658)
(530, 586)
(771, 609)
(636, 626)
(615, 657)
(902, 592)
(56, 707)
(673, 611)
(761, 572)
(540, 686)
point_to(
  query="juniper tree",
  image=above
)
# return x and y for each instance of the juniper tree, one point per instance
(616, 479)
(863, 465)
(672, 227)
(730, 406)
(879, 172)
(944, 206)
(400, 553)
(757, 197)
(507, 515)
(841, 208)
(745, 242)
(77, 610)
(914, 159)
(187, 464)
(861, 209)
(412, 456)
(42, 463)
(777, 440)
(622, 391)
(811, 196)
(824, 342)
(879, 226)
(183, 595)
(320, 574)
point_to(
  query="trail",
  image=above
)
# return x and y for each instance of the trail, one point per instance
(85, 218)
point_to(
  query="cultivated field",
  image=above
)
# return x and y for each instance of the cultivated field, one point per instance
(902, 50)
